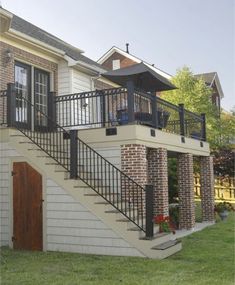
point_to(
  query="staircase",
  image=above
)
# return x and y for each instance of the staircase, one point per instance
(93, 181)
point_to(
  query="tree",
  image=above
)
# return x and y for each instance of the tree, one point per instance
(196, 97)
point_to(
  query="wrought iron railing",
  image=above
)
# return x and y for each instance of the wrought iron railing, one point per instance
(79, 160)
(113, 107)
(3, 107)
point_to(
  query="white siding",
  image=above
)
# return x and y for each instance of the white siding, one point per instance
(72, 227)
(81, 82)
(112, 154)
(63, 78)
(6, 152)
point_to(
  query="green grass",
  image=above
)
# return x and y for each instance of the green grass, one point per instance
(207, 258)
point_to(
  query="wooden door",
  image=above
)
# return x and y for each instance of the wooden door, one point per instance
(27, 207)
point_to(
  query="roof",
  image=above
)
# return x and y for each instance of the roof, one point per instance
(210, 78)
(134, 58)
(142, 77)
(25, 27)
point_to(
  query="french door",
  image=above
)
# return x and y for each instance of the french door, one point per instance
(41, 99)
(23, 94)
(32, 96)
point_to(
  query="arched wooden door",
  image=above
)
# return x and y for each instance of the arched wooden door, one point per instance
(27, 207)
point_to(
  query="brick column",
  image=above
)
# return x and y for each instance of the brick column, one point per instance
(207, 188)
(186, 191)
(158, 177)
(134, 164)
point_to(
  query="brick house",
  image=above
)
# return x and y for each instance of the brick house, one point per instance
(78, 151)
(212, 80)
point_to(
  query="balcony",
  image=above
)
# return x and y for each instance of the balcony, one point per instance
(119, 107)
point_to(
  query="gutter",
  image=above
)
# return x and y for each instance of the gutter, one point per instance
(79, 63)
(35, 42)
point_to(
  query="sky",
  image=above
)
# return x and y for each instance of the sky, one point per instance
(171, 34)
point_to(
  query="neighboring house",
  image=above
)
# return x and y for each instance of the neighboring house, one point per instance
(116, 58)
(212, 80)
(84, 191)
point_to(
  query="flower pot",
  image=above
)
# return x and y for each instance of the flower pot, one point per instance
(223, 215)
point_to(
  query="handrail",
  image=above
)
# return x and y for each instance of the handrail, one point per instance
(117, 188)
(113, 107)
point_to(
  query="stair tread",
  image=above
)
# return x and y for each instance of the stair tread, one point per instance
(166, 244)
(125, 220)
(112, 211)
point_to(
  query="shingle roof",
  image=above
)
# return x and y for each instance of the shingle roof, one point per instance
(33, 31)
(207, 77)
(211, 78)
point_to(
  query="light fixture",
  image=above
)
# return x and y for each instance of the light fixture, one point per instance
(9, 56)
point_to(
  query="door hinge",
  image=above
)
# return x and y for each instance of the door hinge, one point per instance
(13, 173)
(13, 238)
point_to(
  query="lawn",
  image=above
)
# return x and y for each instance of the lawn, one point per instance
(207, 258)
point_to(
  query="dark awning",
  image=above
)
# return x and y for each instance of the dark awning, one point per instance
(142, 76)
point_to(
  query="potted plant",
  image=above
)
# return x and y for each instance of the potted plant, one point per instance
(223, 209)
(164, 224)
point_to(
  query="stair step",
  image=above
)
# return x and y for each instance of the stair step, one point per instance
(29, 142)
(166, 244)
(155, 236)
(17, 136)
(124, 220)
(112, 211)
(102, 203)
(92, 194)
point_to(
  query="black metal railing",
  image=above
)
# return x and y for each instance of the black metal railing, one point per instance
(3, 107)
(120, 106)
(79, 160)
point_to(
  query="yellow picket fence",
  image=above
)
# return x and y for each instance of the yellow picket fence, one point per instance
(224, 188)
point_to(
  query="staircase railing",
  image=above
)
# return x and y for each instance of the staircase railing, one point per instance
(81, 161)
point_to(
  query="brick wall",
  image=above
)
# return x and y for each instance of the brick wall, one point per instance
(186, 191)
(207, 188)
(158, 177)
(124, 61)
(7, 68)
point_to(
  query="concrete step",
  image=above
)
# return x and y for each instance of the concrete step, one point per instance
(167, 248)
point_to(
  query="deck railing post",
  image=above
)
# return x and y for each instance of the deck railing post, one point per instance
(182, 119)
(154, 111)
(103, 107)
(73, 154)
(11, 104)
(203, 126)
(130, 101)
(149, 211)
(52, 110)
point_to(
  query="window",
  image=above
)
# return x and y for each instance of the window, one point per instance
(32, 87)
(41, 90)
(23, 98)
(116, 64)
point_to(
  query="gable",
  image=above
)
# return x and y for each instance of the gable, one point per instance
(124, 61)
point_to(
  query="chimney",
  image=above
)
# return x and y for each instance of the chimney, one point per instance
(127, 47)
